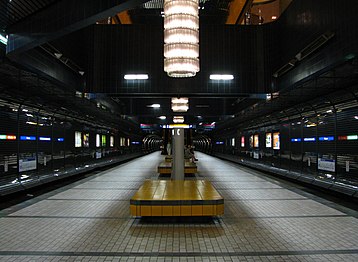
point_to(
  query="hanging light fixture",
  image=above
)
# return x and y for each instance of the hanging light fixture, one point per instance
(180, 104)
(178, 119)
(181, 38)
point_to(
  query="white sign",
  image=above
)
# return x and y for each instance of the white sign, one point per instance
(27, 164)
(98, 155)
(256, 155)
(327, 164)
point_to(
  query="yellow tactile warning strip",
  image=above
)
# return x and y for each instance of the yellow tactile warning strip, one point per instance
(166, 168)
(177, 198)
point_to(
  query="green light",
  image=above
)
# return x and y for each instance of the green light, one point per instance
(352, 137)
(2, 137)
(3, 39)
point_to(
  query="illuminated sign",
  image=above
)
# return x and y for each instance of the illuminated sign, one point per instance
(219, 143)
(326, 138)
(85, 140)
(268, 140)
(295, 139)
(135, 143)
(2, 137)
(28, 138)
(309, 139)
(352, 137)
(276, 140)
(78, 139)
(44, 138)
(104, 140)
(10, 137)
(256, 140)
(60, 139)
(144, 126)
(98, 140)
(177, 126)
(242, 141)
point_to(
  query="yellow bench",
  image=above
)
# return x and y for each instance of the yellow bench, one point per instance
(177, 198)
(166, 168)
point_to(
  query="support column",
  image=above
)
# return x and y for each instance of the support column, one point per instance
(178, 154)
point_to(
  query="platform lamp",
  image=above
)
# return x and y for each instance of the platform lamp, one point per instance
(181, 38)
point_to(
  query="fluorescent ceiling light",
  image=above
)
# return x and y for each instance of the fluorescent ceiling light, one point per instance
(178, 119)
(136, 77)
(154, 105)
(162, 117)
(3, 39)
(221, 77)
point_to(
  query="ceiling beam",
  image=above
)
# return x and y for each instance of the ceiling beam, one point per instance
(237, 10)
(60, 19)
(125, 18)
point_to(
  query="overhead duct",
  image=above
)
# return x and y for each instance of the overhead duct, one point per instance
(315, 45)
(309, 49)
(284, 69)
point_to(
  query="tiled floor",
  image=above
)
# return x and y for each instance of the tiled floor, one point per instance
(264, 220)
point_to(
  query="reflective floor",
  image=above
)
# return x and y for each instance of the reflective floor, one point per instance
(265, 220)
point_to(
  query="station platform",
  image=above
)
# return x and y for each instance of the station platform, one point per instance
(177, 198)
(265, 219)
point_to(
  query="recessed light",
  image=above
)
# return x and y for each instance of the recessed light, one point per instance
(221, 77)
(162, 117)
(154, 105)
(136, 77)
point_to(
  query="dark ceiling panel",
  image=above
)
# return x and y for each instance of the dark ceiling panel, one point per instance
(56, 21)
(119, 50)
(12, 12)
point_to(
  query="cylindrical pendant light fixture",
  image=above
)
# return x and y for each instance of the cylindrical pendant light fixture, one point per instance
(181, 38)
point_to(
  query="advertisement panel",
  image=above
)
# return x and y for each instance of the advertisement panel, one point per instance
(78, 139)
(276, 140)
(27, 164)
(327, 164)
(268, 139)
(256, 140)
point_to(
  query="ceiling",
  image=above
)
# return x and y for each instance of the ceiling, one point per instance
(202, 109)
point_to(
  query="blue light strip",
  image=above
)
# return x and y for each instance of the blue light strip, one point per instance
(219, 143)
(60, 139)
(28, 138)
(326, 138)
(295, 139)
(309, 139)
